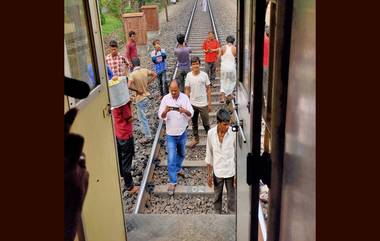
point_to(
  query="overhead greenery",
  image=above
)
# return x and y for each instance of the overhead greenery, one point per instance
(111, 11)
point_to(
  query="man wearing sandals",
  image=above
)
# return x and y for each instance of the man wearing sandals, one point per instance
(176, 110)
(197, 88)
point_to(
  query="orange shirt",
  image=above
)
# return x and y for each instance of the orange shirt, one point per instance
(211, 44)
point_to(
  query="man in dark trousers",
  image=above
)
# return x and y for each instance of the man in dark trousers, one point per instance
(211, 48)
(220, 159)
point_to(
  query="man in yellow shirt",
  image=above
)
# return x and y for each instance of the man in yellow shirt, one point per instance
(138, 81)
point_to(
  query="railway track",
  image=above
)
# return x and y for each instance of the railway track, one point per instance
(158, 216)
(193, 188)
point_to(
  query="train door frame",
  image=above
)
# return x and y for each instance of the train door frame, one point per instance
(278, 74)
(294, 211)
(253, 158)
(281, 63)
(243, 102)
(102, 214)
(280, 45)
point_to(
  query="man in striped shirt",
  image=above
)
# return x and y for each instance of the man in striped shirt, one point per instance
(116, 61)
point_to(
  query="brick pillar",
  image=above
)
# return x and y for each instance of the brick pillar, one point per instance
(137, 23)
(151, 17)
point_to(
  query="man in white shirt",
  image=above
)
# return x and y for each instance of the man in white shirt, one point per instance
(197, 88)
(176, 110)
(220, 159)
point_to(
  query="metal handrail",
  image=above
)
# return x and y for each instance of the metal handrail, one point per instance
(156, 138)
(238, 121)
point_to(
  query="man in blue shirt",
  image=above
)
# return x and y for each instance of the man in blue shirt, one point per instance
(90, 72)
(158, 56)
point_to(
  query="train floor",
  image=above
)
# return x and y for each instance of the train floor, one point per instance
(161, 227)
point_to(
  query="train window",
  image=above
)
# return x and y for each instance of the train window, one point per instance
(270, 22)
(266, 130)
(78, 52)
(266, 55)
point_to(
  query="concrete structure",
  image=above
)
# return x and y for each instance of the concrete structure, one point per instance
(151, 17)
(137, 23)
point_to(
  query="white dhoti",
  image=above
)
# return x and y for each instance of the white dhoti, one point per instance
(227, 81)
(227, 72)
(204, 5)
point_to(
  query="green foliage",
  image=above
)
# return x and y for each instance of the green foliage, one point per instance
(102, 18)
(111, 24)
(113, 6)
(128, 9)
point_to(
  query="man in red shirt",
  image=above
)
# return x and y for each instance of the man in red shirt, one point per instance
(131, 49)
(266, 61)
(125, 144)
(211, 49)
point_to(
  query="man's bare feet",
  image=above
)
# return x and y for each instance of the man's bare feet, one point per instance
(193, 143)
(134, 190)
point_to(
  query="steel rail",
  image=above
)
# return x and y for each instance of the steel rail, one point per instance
(154, 152)
(260, 212)
(212, 20)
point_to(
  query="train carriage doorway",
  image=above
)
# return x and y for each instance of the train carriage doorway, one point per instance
(290, 106)
(102, 215)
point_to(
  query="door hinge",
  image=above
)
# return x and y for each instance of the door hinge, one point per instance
(107, 111)
(259, 168)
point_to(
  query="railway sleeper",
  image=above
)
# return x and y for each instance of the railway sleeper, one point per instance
(187, 163)
(183, 190)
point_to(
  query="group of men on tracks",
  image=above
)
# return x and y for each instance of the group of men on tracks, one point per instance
(182, 99)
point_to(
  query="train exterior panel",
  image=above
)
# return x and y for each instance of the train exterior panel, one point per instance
(291, 118)
(243, 90)
(298, 191)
